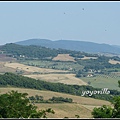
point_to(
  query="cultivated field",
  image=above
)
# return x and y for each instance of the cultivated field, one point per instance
(82, 106)
(31, 69)
(52, 75)
(4, 58)
(61, 78)
(103, 81)
(4, 69)
(114, 61)
(64, 57)
(66, 110)
(48, 94)
(49, 75)
(59, 65)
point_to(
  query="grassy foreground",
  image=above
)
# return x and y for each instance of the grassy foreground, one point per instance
(81, 106)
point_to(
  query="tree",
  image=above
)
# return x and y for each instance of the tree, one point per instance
(17, 105)
(119, 83)
(102, 112)
(116, 110)
(77, 116)
(108, 112)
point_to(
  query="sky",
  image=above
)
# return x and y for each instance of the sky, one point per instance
(97, 22)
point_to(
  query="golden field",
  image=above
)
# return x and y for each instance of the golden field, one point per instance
(81, 106)
(64, 57)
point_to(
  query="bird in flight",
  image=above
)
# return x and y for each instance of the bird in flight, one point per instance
(82, 8)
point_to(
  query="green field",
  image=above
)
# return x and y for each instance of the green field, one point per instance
(103, 81)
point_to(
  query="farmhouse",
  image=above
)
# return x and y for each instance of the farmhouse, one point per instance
(22, 56)
(89, 75)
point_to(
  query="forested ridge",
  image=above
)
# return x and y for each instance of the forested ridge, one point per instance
(40, 52)
(31, 51)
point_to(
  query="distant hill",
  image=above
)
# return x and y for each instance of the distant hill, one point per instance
(31, 51)
(83, 46)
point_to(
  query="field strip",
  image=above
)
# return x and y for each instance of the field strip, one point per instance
(48, 94)
(66, 110)
(114, 61)
(61, 78)
(64, 57)
(90, 107)
(27, 68)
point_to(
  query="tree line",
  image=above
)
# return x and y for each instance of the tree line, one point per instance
(17, 105)
(40, 52)
(40, 99)
(26, 82)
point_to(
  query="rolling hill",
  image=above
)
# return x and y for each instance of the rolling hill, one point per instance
(89, 47)
(80, 105)
(47, 81)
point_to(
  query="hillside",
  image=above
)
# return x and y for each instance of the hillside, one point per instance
(48, 71)
(52, 64)
(31, 51)
(80, 107)
(89, 47)
(36, 52)
(10, 79)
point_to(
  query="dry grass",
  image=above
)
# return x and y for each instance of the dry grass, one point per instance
(4, 58)
(66, 110)
(82, 106)
(61, 78)
(114, 61)
(27, 68)
(49, 94)
(64, 57)
(4, 69)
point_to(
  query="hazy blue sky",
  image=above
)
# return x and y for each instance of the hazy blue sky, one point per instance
(98, 22)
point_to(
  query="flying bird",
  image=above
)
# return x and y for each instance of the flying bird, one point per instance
(82, 8)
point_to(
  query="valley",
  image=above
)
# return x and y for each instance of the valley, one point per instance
(69, 70)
